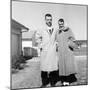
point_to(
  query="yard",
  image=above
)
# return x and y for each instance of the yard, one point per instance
(29, 77)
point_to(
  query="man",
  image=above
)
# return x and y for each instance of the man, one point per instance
(66, 45)
(48, 62)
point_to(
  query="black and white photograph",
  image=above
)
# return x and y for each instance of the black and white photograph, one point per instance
(49, 44)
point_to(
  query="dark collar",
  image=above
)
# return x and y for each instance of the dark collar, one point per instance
(63, 30)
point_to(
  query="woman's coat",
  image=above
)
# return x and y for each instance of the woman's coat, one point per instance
(65, 54)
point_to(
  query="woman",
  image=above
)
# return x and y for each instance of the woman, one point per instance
(65, 38)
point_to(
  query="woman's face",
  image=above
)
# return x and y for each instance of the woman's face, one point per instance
(61, 24)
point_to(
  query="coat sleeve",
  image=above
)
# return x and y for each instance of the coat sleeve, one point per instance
(42, 40)
(71, 35)
(71, 39)
(38, 38)
(56, 40)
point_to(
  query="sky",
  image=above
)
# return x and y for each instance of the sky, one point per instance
(31, 14)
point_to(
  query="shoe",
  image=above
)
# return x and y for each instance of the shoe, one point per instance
(66, 83)
(43, 86)
(48, 85)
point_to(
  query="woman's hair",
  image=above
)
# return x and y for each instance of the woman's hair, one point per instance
(61, 20)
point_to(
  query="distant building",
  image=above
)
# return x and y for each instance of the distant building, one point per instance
(83, 49)
(16, 37)
(26, 42)
(28, 48)
(83, 43)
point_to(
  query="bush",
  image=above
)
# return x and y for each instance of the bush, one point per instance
(16, 61)
(28, 57)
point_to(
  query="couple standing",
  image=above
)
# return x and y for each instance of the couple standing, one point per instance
(57, 59)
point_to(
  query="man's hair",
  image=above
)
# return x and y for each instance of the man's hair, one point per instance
(61, 20)
(49, 15)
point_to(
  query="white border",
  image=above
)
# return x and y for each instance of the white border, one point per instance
(5, 42)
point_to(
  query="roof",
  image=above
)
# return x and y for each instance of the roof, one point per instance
(18, 25)
(26, 39)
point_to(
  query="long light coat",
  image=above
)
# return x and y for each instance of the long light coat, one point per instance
(66, 57)
(49, 60)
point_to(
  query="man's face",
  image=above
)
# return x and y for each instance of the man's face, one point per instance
(61, 24)
(48, 20)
